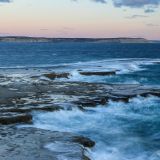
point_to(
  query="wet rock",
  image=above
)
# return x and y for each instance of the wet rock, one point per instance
(33, 144)
(86, 142)
(47, 97)
(35, 77)
(48, 108)
(85, 103)
(91, 102)
(107, 73)
(79, 70)
(101, 101)
(28, 108)
(2, 76)
(150, 93)
(131, 91)
(57, 75)
(119, 98)
(10, 118)
(86, 158)
(30, 144)
(156, 62)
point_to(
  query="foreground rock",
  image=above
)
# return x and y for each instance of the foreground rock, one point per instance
(37, 144)
(18, 100)
(22, 114)
(18, 103)
(10, 118)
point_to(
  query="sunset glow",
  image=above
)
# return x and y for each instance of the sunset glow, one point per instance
(83, 18)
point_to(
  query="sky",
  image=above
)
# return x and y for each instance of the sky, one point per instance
(80, 18)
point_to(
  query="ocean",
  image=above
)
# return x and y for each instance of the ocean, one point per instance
(122, 131)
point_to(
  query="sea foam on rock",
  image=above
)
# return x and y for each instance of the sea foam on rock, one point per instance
(19, 99)
(26, 98)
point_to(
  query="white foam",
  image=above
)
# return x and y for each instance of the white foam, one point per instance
(121, 66)
(63, 150)
(109, 126)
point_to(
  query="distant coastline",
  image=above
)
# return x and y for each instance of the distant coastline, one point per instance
(93, 40)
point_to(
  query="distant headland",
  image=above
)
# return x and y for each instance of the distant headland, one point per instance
(93, 40)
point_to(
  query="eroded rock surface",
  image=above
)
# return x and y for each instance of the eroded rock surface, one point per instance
(20, 99)
(32, 144)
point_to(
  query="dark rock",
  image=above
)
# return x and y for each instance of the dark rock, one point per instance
(34, 77)
(10, 118)
(157, 94)
(119, 98)
(85, 103)
(57, 75)
(2, 76)
(101, 101)
(157, 62)
(48, 108)
(86, 158)
(28, 108)
(91, 102)
(86, 142)
(108, 73)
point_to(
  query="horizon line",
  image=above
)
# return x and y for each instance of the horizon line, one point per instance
(45, 37)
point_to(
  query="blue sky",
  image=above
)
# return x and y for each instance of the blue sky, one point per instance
(81, 18)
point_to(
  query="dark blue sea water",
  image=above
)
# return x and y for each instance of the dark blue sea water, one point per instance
(121, 131)
(41, 54)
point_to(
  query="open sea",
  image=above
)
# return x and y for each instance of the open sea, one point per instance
(121, 131)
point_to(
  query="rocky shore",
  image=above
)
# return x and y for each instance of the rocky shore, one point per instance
(32, 144)
(19, 100)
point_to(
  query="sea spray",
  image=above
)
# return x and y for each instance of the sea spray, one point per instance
(121, 131)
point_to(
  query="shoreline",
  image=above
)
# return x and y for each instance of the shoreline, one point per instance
(19, 100)
(91, 40)
(100, 103)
